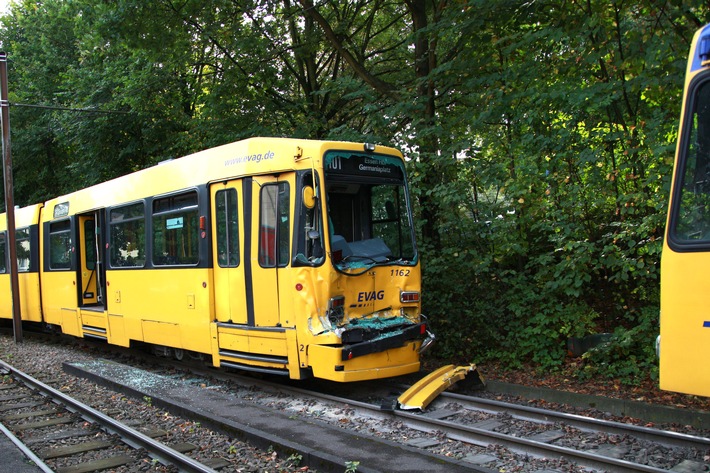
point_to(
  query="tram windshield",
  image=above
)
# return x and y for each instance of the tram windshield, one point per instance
(369, 215)
(691, 213)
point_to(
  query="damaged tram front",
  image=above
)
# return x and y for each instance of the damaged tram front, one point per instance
(367, 321)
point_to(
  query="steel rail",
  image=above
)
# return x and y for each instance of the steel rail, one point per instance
(130, 436)
(581, 422)
(28, 453)
(486, 437)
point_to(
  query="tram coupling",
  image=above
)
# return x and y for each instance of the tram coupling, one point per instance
(427, 342)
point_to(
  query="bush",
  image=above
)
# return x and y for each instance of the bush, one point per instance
(629, 356)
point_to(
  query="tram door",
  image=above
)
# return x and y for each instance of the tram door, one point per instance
(270, 244)
(251, 242)
(227, 242)
(91, 271)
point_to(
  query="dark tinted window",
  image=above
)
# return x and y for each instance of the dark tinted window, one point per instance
(176, 230)
(227, 225)
(60, 245)
(127, 236)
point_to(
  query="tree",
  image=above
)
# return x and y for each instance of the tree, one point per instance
(410, 98)
(571, 162)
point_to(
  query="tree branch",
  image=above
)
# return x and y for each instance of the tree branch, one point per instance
(376, 83)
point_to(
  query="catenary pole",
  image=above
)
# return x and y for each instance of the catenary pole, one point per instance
(9, 198)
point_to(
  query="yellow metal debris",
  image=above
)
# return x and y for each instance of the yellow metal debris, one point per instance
(428, 388)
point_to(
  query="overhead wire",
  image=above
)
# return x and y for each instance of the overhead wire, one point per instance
(68, 109)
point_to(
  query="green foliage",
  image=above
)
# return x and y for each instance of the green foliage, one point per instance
(351, 466)
(629, 356)
(295, 459)
(567, 167)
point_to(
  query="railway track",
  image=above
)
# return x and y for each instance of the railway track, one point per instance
(482, 435)
(487, 432)
(36, 416)
(587, 442)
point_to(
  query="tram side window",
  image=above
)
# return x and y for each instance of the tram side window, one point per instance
(23, 248)
(227, 224)
(59, 245)
(127, 226)
(274, 225)
(3, 254)
(176, 230)
(692, 222)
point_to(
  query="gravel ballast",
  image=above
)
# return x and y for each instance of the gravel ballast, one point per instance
(44, 362)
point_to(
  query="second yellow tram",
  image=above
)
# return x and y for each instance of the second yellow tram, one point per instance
(685, 261)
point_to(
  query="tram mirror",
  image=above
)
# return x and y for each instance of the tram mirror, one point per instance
(313, 234)
(309, 197)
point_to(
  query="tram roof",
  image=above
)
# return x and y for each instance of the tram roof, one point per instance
(253, 156)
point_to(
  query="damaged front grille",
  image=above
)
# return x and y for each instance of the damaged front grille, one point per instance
(360, 330)
(365, 336)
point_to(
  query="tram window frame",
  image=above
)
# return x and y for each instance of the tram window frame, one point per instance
(60, 245)
(226, 202)
(359, 222)
(274, 247)
(182, 212)
(690, 207)
(3, 253)
(309, 228)
(127, 218)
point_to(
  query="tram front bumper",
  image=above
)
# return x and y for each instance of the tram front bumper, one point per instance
(327, 362)
(386, 342)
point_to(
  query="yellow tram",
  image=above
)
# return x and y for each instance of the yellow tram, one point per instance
(685, 261)
(277, 255)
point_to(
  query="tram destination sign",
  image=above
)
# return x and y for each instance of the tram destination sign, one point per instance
(364, 165)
